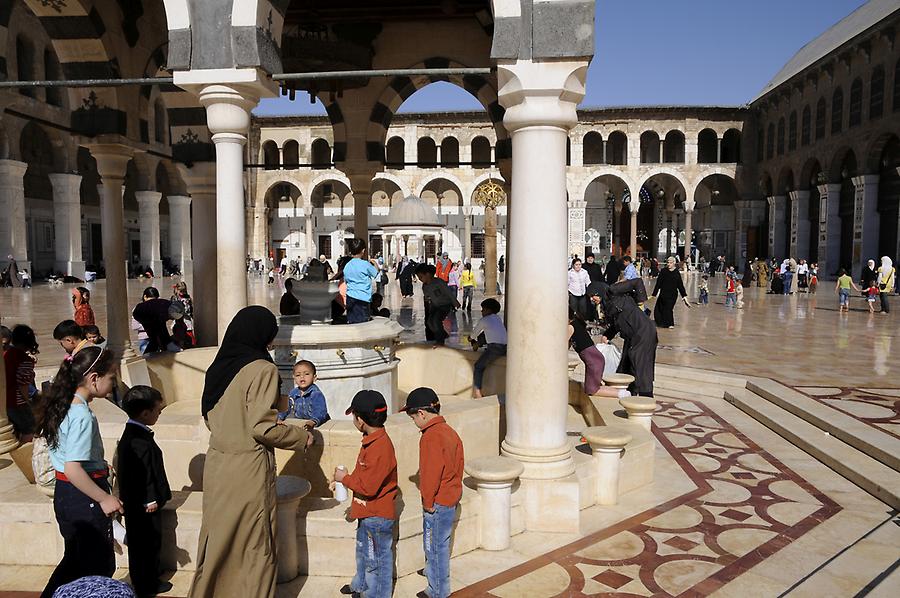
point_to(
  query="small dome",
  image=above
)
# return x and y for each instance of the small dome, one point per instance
(412, 211)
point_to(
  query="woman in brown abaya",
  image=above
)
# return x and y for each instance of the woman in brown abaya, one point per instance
(237, 544)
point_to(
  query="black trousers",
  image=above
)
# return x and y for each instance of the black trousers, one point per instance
(87, 532)
(579, 304)
(885, 306)
(144, 543)
(434, 323)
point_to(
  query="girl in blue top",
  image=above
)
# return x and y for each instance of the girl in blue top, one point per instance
(82, 500)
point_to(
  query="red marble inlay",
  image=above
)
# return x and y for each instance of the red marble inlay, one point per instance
(729, 485)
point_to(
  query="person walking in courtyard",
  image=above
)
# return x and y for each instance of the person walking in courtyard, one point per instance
(730, 292)
(441, 462)
(84, 313)
(703, 286)
(842, 288)
(82, 499)
(578, 283)
(19, 359)
(468, 286)
(439, 301)
(668, 287)
(240, 396)
(886, 280)
(442, 266)
(871, 294)
(406, 269)
(592, 268)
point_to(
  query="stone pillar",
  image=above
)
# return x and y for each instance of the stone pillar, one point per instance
(576, 226)
(228, 118)
(494, 477)
(13, 238)
(148, 220)
(719, 150)
(180, 233)
(289, 491)
(777, 205)
(308, 224)
(670, 213)
(865, 222)
(467, 233)
(361, 185)
(67, 223)
(200, 180)
(688, 231)
(634, 206)
(540, 100)
(111, 162)
(829, 230)
(607, 444)
(490, 250)
(799, 223)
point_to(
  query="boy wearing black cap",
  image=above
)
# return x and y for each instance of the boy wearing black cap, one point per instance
(374, 486)
(440, 483)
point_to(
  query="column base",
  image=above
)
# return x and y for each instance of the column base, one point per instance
(187, 269)
(8, 440)
(551, 505)
(541, 464)
(68, 268)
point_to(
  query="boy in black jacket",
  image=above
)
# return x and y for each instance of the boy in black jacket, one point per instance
(143, 489)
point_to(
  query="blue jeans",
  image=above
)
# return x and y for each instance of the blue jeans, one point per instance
(731, 299)
(358, 311)
(374, 558)
(437, 527)
(142, 345)
(844, 295)
(788, 281)
(491, 353)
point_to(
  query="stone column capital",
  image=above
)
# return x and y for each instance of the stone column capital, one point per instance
(865, 179)
(467, 210)
(577, 203)
(541, 93)
(12, 169)
(200, 179)
(827, 188)
(112, 159)
(66, 187)
(798, 195)
(228, 110)
(634, 205)
(148, 198)
(179, 200)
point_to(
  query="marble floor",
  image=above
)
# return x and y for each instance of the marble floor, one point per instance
(735, 510)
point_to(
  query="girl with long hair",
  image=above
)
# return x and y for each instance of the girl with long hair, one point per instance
(82, 500)
(84, 313)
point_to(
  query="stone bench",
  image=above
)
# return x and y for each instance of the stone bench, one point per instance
(494, 477)
(639, 409)
(289, 491)
(618, 380)
(607, 444)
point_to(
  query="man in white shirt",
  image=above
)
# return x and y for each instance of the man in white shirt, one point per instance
(491, 326)
(579, 280)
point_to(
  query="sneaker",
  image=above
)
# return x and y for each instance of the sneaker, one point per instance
(348, 591)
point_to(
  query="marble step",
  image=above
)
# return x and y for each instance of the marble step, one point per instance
(683, 388)
(692, 374)
(871, 475)
(870, 440)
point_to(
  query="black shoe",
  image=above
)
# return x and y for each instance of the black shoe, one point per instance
(163, 587)
(422, 594)
(348, 591)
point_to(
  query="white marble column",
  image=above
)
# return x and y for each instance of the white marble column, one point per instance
(112, 160)
(829, 230)
(308, 227)
(799, 223)
(180, 233)
(688, 231)
(148, 221)
(228, 118)
(67, 223)
(13, 238)
(576, 226)
(633, 207)
(540, 101)
(200, 180)
(865, 222)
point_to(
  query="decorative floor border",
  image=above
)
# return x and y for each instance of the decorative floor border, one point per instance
(746, 506)
(856, 395)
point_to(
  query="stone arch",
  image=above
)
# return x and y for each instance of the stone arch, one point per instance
(332, 177)
(281, 188)
(441, 174)
(592, 148)
(617, 148)
(731, 146)
(396, 180)
(785, 182)
(873, 153)
(426, 152)
(290, 155)
(888, 204)
(401, 88)
(597, 173)
(481, 152)
(650, 147)
(386, 197)
(837, 163)
(673, 147)
(765, 184)
(672, 172)
(269, 155)
(442, 191)
(395, 156)
(707, 146)
(320, 154)
(808, 178)
(450, 152)
(43, 156)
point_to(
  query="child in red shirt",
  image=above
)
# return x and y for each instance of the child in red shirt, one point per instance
(441, 465)
(374, 485)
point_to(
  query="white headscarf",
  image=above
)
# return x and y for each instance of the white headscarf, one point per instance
(884, 273)
(872, 265)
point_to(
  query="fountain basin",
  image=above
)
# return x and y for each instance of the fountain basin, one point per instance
(315, 300)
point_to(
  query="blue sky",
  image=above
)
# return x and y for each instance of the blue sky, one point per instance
(693, 52)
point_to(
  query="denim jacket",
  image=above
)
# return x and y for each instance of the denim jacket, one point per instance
(306, 405)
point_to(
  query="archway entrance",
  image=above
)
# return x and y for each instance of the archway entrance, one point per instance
(889, 200)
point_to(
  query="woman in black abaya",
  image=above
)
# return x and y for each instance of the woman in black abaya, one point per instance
(668, 286)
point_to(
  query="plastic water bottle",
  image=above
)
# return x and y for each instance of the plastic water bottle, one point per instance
(340, 491)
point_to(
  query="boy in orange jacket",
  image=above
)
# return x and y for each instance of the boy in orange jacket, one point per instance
(374, 486)
(440, 483)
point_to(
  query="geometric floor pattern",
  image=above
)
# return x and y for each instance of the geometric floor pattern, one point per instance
(877, 407)
(746, 506)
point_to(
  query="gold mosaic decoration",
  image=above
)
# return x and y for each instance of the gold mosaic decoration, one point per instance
(489, 194)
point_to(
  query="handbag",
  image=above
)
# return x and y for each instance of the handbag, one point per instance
(611, 355)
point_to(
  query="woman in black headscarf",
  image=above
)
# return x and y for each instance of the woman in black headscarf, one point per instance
(668, 286)
(619, 304)
(237, 547)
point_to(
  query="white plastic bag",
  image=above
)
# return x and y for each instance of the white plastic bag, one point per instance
(612, 355)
